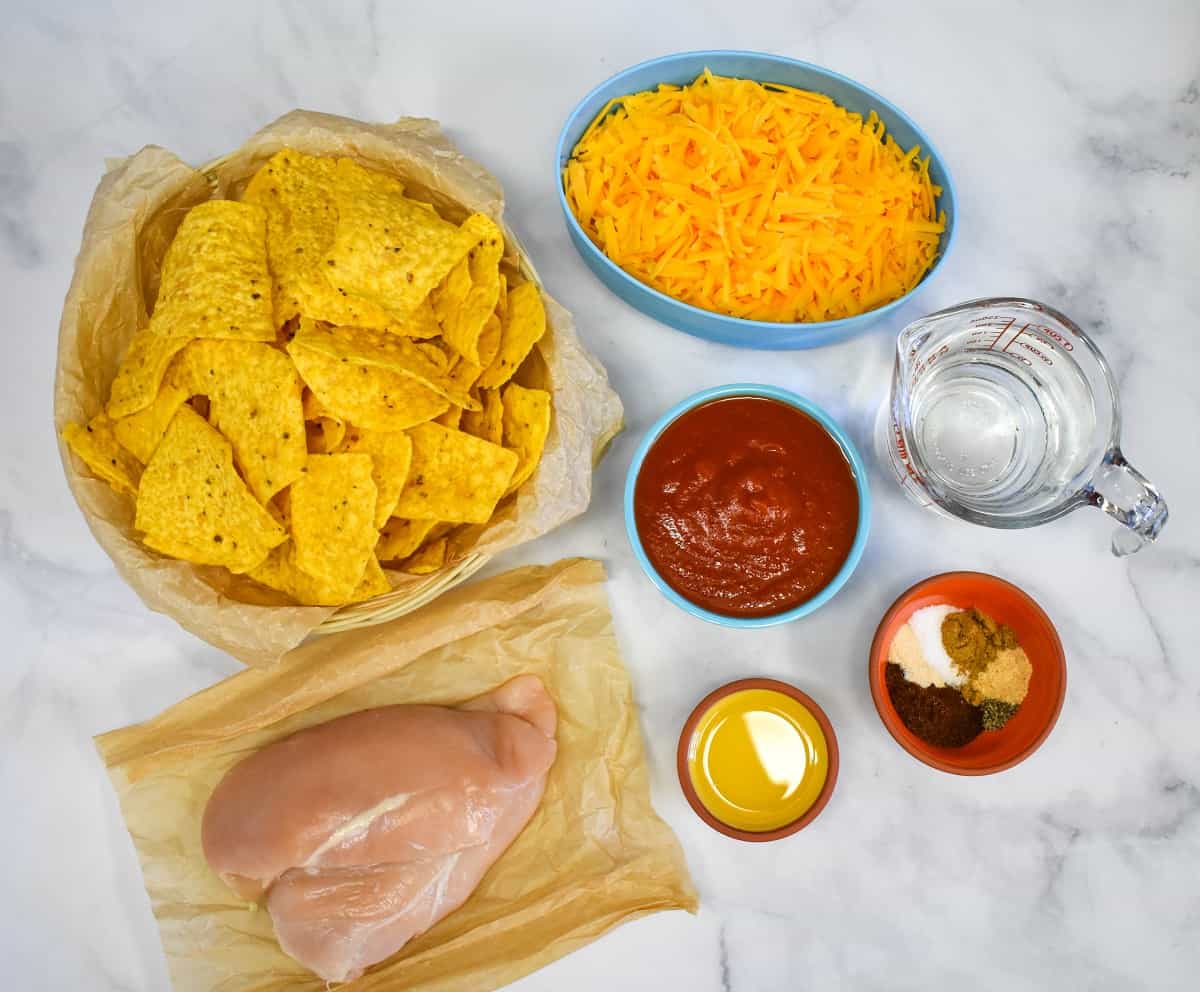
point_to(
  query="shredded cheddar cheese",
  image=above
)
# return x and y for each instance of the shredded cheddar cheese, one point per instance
(755, 200)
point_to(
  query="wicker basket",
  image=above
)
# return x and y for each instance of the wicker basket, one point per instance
(145, 196)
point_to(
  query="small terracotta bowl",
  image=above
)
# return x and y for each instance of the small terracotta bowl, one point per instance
(685, 778)
(991, 751)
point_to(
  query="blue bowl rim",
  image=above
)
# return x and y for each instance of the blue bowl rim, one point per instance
(857, 465)
(634, 285)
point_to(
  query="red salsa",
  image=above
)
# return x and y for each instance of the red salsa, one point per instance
(746, 506)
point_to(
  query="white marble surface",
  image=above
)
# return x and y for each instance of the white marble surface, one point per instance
(1073, 130)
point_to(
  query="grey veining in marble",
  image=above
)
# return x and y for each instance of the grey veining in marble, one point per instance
(1073, 131)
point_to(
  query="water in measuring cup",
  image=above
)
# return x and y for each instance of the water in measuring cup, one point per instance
(999, 437)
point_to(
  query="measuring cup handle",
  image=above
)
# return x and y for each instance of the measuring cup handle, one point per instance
(1127, 496)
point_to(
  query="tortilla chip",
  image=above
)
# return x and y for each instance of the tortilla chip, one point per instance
(139, 378)
(191, 500)
(502, 299)
(387, 248)
(421, 323)
(378, 349)
(391, 458)
(280, 572)
(296, 191)
(98, 447)
(524, 324)
(526, 426)
(451, 418)
(489, 341)
(374, 582)
(215, 282)
(325, 435)
(447, 297)
(440, 356)
(333, 520)
(467, 298)
(140, 432)
(534, 373)
(461, 540)
(399, 537)
(488, 422)
(429, 559)
(293, 189)
(465, 375)
(454, 476)
(254, 400)
(369, 397)
(312, 406)
(325, 429)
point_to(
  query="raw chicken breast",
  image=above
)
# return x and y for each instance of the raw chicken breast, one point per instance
(365, 831)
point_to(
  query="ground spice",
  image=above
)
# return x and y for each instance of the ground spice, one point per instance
(939, 716)
(996, 713)
(972, 639)
(1006, 679)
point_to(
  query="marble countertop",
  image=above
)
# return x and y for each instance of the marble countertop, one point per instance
(1073, 131)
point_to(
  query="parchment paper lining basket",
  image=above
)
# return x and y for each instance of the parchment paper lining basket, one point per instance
(133, 216)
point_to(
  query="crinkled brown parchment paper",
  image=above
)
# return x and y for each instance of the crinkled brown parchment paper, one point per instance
(594, 855)
(133, 217)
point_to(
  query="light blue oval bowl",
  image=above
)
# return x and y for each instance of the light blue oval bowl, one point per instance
(857, 466)
(683, 68)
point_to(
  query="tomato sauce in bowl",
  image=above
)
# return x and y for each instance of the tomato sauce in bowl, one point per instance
(746, 506)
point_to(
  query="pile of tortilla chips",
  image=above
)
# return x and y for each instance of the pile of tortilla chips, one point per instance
(324, 385)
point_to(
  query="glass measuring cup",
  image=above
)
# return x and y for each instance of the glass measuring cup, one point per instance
(1004, 413)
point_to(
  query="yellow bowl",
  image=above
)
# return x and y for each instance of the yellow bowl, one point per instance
(757, 760)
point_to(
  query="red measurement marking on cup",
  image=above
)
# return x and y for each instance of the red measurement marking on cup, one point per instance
(1022, 349)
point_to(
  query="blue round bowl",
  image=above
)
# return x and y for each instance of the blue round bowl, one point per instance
(683, 68)
(857, 466)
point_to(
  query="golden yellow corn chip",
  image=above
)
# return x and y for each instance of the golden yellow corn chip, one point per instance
(534, 373)
(526, 426)
(313, 408)
(254, 400)
(391, 457)
(97, 445)
(454, 476)
(192, 500)
(325, 429)
(451, 418)
(369, 397)
(333, 519)
(461, 540)
(325, 434)
(378, 349)
(440, 355)
(469, 298)
(400, 537)
(489, 341)
(388, 249)
(429, 559)
(215, 282)
(524, 325)
(140, 375)
(374, 582)
(487, 423)
(140, 432)
(421, 323)
(296, 190)
(447, 297)
(464, 375)
(280, 572)
(502, 300)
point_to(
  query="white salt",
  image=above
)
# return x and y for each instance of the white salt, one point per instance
(927, 625)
